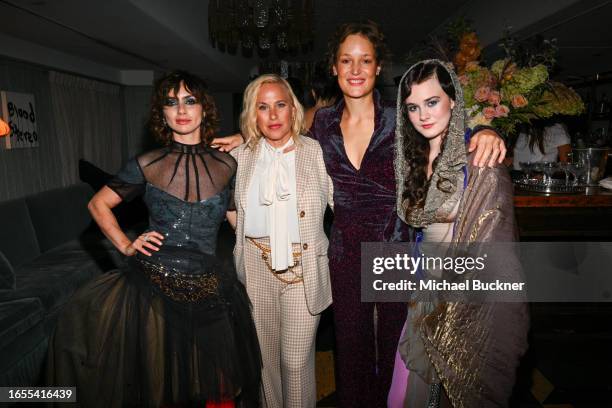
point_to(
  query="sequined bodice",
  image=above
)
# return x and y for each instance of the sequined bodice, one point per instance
(187, 189)
(186, 224)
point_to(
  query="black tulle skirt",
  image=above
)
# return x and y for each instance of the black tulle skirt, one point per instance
(175, 329)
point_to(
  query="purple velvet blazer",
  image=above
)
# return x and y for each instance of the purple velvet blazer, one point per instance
(364, 199)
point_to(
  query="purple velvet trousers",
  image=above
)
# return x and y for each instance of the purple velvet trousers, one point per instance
(364, 357)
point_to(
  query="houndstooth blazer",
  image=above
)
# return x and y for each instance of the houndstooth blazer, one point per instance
(314, 191)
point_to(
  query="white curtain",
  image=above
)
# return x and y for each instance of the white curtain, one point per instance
(88, 123)
(136, 110)
(27, 171)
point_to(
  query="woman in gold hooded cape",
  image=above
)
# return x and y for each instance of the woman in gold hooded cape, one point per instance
(458, 354)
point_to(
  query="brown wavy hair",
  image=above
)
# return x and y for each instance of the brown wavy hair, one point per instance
(196, 87)
(366, 28)
(416, 146)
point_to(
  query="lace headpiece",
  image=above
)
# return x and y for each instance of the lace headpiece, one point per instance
(442, 196)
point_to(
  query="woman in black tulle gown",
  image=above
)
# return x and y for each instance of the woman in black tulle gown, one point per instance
(173, 326)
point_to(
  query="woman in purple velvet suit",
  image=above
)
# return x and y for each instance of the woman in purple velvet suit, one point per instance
(356, 135)
(357, 138)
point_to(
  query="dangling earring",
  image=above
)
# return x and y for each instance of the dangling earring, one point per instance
(164, 122)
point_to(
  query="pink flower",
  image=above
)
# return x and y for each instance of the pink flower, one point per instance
(494, 98)
(489, 112)
(518, 101)
(463, 79)
(482, 93)
(501, 111)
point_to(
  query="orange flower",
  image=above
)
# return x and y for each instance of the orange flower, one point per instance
(489, 112)
(471, 66)
(509, 71)
(469, 51)
(518, 101)
(482, 93)
(460, 62)
(494, 98)
(469, 43)
(5, 130)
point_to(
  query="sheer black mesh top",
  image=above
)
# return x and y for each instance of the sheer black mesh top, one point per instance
(187, 189)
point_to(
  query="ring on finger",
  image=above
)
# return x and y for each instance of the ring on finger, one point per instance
(145, 237)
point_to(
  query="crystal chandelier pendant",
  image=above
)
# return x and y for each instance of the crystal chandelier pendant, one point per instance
(260, 13)
(262, 25)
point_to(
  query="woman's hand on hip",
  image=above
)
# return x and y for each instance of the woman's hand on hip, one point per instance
(148, 241)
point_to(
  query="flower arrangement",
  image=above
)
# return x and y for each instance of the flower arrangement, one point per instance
(512, 91)
(469, 50)
(505, 94)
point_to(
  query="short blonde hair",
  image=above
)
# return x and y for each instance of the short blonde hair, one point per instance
(248, 116)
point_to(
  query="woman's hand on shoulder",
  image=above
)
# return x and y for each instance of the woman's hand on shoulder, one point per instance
(227, 143)
(490, 148)
(148, 241)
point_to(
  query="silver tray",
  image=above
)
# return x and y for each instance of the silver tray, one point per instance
(555, 187)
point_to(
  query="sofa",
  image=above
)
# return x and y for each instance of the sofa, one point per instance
(49, 247)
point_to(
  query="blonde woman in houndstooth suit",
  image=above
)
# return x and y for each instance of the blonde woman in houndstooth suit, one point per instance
(282, 191)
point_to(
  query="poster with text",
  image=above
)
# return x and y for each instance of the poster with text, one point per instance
(19, 111)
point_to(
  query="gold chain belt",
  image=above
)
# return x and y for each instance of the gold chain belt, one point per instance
(178, 286)
(265, 255)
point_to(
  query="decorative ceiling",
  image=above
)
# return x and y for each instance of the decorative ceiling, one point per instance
(159, 35)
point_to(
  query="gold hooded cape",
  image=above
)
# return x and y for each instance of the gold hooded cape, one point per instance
(473, 349)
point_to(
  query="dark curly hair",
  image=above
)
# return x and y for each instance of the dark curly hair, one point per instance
(416, 146)
(366, 28)
(196, 87)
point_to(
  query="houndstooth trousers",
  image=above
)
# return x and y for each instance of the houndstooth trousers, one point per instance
(286, 332)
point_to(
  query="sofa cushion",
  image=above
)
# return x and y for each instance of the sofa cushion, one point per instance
(53, 277)
(22, 362)
(7, 274)
(60, 215)
(18, 240)
(17, 317)
(23, 342)
(97, 247)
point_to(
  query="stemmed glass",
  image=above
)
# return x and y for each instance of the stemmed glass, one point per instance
(526, 167)
(549, 169)
(566, 167)
(538, 167)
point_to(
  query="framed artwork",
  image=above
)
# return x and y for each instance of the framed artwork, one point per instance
(19, 111)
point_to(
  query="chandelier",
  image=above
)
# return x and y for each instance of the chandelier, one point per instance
(261, 25)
